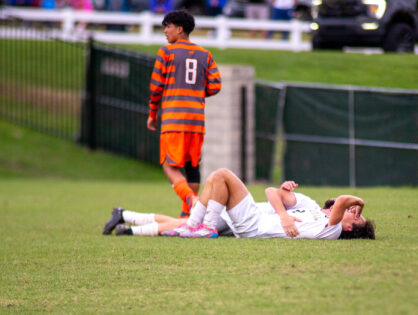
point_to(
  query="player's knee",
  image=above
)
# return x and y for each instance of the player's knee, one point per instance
(192, 172)
(223, 172)
(220, 174)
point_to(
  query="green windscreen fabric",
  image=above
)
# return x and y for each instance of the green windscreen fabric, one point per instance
(351, 136)
(266, 128)
(316, 163)
(386, 119)
(316, 112)
(377, 166)
(120, 91)
(310, 116)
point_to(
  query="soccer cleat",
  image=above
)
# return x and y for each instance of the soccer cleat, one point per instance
(201, 231)
(114, 220)
(184, 228)
(183, 215)
(122, 229)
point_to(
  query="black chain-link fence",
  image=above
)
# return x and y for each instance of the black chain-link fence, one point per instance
(116, 106)
(41, 78)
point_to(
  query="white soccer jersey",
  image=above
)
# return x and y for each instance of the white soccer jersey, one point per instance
(263, 221)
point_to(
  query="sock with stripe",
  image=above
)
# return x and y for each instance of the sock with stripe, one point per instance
(185, 193)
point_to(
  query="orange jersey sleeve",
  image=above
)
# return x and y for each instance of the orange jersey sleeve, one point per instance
(158, 81)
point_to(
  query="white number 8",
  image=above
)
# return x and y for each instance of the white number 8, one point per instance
(191, 71)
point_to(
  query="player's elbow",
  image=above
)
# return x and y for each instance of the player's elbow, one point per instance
(270, 192)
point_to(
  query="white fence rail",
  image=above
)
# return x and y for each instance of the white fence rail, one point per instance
(219, 35)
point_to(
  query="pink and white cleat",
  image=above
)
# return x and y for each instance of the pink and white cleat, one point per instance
(201, 231)
(183, 228)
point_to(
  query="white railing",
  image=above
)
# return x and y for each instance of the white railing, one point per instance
(218, 30)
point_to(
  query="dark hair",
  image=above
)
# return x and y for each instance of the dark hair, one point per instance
(329, 203)
(365, 231)
(180, 18)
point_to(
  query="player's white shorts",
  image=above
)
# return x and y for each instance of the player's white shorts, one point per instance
(243, 218)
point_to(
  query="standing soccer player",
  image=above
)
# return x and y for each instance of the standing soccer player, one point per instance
(184, 74)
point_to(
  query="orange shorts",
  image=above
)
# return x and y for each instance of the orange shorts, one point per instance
(179, 147)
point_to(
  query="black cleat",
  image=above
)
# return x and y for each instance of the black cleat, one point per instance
(183, 215)
(122, 229)
(114, 220)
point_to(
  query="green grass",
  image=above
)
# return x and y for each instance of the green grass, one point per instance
(42, 64)
(326, 67)
(25, 153)
(38, 63)
(54, 258)
(56, 196)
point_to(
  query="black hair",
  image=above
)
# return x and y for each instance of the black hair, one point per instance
(180, 18)
(329, 203)
(365, 231)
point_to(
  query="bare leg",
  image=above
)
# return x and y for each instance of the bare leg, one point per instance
(224, 187)
(180, 186)
(161, 218)
(195, 187)
(173, 173)
(170, 225)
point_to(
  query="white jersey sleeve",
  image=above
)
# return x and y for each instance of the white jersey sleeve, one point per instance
(304, 202)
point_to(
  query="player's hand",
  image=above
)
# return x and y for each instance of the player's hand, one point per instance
(152, 124)
(288, 224)
(288, 185)
(359, 210)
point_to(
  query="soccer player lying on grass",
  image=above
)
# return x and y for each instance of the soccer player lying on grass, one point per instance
(286, 215)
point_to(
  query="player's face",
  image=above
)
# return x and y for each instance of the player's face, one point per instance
(350, 218)
(172, 32)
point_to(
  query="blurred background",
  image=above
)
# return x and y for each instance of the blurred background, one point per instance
(328, 24)
(334, 99)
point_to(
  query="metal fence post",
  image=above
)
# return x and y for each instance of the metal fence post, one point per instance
(89, 104)
(244, 134)
(351, 132)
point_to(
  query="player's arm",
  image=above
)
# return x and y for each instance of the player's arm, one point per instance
(156, 89)
(342, 203)
(279, 199)
(213, 78)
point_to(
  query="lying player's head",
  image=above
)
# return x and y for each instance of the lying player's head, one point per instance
(180, 18)
(353, 226)
(365, 230)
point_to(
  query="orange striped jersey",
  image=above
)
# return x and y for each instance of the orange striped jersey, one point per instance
(184, 74)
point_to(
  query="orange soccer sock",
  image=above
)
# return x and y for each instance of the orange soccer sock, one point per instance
(185, 193)
(185, 207)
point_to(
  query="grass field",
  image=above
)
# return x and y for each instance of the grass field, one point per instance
(40, 63)
(55, 260)
(327, 67)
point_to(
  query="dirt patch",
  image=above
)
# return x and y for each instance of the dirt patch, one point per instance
(60, 102)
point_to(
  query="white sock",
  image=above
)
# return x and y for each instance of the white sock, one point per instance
(213, 211)
(146, 230)
(197, 214)
(137, 218)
